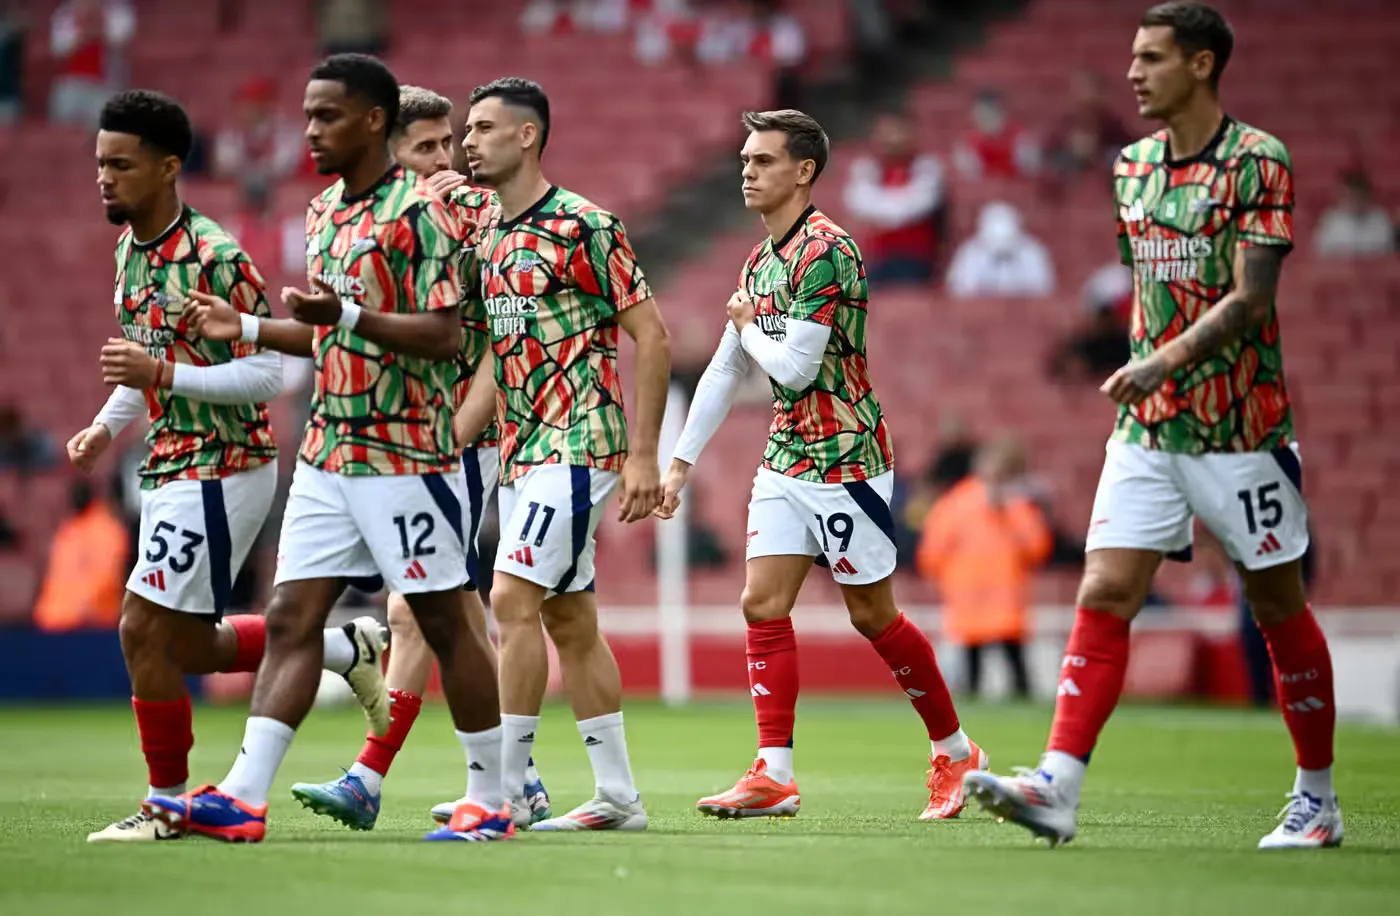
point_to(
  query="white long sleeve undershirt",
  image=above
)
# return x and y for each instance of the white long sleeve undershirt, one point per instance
(714, 395)
(250, 380)
(793, 362)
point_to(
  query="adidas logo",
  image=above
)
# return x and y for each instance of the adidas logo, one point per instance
(1269, 545)
(1067, 688)
(844, 567)
(591, 741)
(527, 738)
(913, 694)
(476, 767)
(523, 556)
(155, 579)
(758, 690)
(415, 571)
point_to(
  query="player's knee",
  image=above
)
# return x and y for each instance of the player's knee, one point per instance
(759, 605)
(1112, 593)
(570, 633)
(140, 629)
(289, 625)
(871, 619)
(403, 627)
(514, 605)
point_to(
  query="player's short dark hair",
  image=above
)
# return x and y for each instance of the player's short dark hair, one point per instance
(805, 137)
(156, 118)
(419, 104)
(522, 93)
(1196, 27)
(365, 76)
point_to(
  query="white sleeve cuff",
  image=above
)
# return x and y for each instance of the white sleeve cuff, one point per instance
(794, 362)
(251, 380)
(124, 405)
(714, 395)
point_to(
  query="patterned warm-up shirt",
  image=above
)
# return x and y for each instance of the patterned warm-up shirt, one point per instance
(389, 249)
(553, 280)
(189, 439)
(834, 432)
(1180, 225)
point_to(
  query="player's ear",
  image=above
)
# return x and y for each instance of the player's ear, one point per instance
(170, 168)
(806, 172)
(1202, 64)
(377, 118)
(529, 134)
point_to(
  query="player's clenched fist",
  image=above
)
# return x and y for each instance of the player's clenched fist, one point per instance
(88, 445)
(641, 488)
(321, 307)
(127, 363)
(677, 475)
(1136, 381)
(212, 318)
(741, 310)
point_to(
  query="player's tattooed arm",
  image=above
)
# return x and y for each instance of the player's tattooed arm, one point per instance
(1257, 269)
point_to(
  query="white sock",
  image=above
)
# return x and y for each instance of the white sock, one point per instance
(517, 744)
(1317, 783)
(167, 791)
(531, 774)
(1066, 773)
(339, 652)
(484, 767)
(265, 743)
(372, 779)
(607, 751)
(955, 747)
(779, 760)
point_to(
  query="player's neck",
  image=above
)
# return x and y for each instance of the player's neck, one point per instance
(151, 226)
(1192, 128)
(366, 173)
(779, 222)
(521, 191)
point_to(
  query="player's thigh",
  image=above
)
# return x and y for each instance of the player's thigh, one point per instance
(480, 475)
(319, 539)
(549, 524)
(571, 619)
(153, 635)
(1252, 502)
(852, 524)
(412, 527)
(1139, 505)
(195, 535)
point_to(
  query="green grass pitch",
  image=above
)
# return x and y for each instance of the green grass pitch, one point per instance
(1175, 802)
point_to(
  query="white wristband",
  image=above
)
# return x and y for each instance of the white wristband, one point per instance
(251, 326)
(349, 315)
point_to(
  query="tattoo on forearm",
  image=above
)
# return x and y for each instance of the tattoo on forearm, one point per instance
(1244, 308)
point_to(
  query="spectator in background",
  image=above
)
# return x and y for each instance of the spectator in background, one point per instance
(261, 146)
(351, 26)
(88, 38)
(86, 575)
(23, 451)
(1089, 136)
(1356, 226)
(773, 35)
(899, 192)
(276, 245)
(995, 147)
(1098, 347)
(13, 24)
(1000, 259)
(981, 543)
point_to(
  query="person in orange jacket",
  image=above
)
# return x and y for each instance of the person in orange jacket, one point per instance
(86, 575)
(981, 542)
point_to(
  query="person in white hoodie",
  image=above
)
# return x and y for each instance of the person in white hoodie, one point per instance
(1000, 259)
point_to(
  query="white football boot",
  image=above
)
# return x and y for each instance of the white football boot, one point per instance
(139, 828)
(366, 676)
(1030, 798)
(599, 813)
(1306, 822)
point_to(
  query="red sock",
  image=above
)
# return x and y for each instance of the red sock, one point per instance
(1091, 680)
(251, 630)
(1303, 679)
(909, 654)
(167, 734)
(378, 753)
(772, 651)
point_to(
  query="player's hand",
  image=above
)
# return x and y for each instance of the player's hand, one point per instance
(741, 310)
(443, 183)
(127, 363)
(641, 488)
(320, 307)
(87, 446)
(677, 476)
(1136, 381)
(213, 318)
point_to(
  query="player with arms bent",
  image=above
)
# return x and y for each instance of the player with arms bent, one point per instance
(823, 490)
(422, 142)
(558, 280)
(210, 475)
(376, 493)
(1205, 217)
